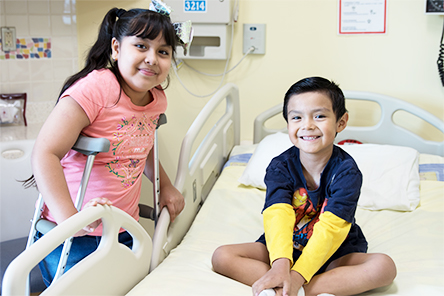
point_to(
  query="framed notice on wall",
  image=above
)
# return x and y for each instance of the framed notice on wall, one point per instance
(362, 16)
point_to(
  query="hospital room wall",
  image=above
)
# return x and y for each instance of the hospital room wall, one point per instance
(301, 41)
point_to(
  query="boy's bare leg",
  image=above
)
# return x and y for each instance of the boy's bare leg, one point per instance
(245, 263)
(353, 274)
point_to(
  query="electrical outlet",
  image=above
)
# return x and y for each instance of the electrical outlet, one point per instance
(254, 36)
(8, 39)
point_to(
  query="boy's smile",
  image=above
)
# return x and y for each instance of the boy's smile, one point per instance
(312, 124)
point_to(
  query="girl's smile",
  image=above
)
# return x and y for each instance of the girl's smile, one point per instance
(147, 72)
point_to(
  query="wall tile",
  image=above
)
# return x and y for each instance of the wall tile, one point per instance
(4, 73)
(18, 71)
(35, 111)
(43, 92)
(20, 87)
(2, 13)
(74, 25)
(61, 25)
(60, 7)
(38, 7)
(16, 7)
(42, 79)
(20, 22)
(62, 68)
(4, 88)
(64, 47)
(57, 87)
(39, 25)
(29, 48)
(41, 70)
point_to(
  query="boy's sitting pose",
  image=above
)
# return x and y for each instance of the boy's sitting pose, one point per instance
(311, 240)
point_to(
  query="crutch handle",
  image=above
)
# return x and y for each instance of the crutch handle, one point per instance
(162, 120)
(146, 212)
(90, 146)
(44, 226)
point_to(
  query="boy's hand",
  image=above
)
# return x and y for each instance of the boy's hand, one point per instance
(92, 203)
(277, 276)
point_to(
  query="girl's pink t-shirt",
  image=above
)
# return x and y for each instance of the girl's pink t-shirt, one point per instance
(116, 174)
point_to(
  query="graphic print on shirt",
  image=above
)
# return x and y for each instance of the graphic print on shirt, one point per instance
(306, 217)
(130, 145)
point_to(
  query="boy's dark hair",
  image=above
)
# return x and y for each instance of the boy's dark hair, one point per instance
(119, 23)
(317, 84)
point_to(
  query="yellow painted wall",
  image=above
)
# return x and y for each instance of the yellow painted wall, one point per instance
(301, 41)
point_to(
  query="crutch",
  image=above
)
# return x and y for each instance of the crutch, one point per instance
(144, 210)
(87, 146)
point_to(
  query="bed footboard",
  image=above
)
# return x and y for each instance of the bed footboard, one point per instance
(113, 269)
(197, 173)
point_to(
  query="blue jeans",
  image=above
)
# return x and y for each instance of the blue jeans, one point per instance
(80, 248)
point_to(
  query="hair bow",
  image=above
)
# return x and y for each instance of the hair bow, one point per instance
(184, 30)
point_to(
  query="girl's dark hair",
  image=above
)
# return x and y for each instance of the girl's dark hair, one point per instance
(317, 84)
(118, 24)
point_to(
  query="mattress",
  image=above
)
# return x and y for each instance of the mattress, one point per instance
(232, 214)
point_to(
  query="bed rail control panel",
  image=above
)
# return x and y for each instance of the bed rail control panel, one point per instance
(194, 191)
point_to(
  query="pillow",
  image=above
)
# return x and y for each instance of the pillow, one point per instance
(270, 147)
(390, 176)
(390, 173)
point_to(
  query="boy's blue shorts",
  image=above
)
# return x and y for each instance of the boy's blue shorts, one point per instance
(354, 243)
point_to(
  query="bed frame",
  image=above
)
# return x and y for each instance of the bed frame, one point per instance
(114, 269)
(197, 173)
(385, 131)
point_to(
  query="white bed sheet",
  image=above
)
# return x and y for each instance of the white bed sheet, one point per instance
(232, 214)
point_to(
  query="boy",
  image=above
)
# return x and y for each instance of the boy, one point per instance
(311, 240)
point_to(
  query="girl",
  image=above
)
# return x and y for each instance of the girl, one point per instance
(116, 96)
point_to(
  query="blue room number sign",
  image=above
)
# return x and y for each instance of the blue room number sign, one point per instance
(196, 6)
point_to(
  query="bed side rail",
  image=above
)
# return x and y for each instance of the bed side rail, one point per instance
(112, 263)
(197, 173)
(385, 131)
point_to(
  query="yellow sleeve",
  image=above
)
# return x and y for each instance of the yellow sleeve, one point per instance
(328, 234)
(279, 220)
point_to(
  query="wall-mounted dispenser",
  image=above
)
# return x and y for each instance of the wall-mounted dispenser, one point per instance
(211, 24)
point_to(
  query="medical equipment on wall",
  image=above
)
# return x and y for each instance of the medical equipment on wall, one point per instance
(440, 60)
(434, 6)
(213, 30)
(212, 24)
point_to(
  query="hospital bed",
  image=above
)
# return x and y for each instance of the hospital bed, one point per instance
(401, 209)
